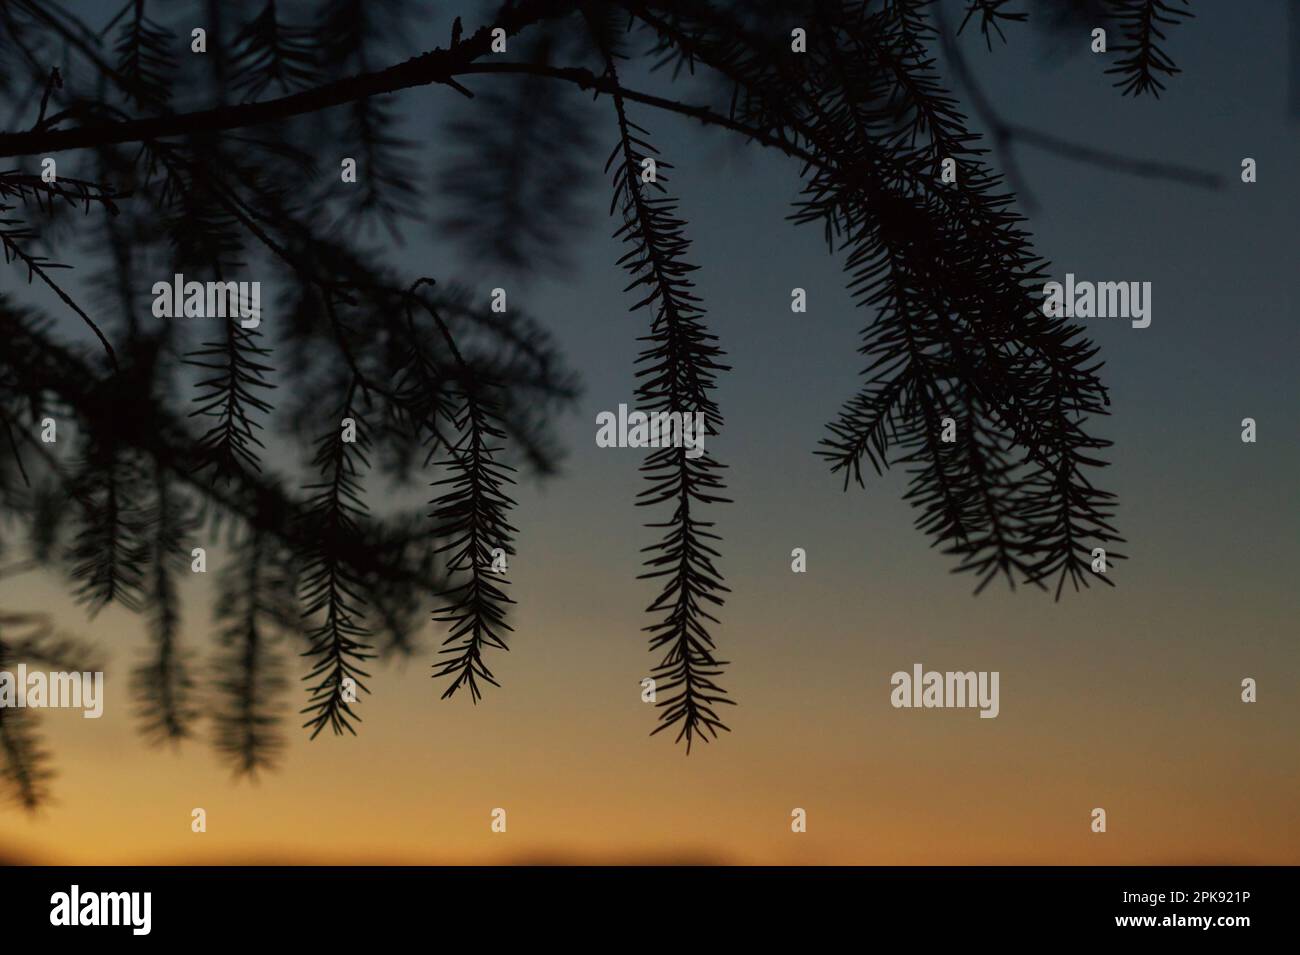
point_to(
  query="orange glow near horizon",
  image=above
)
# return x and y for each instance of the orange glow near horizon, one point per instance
(563, 748)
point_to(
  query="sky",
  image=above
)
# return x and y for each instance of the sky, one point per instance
(1126, 698)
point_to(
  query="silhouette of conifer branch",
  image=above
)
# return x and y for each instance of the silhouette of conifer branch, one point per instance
(990, 12)
(956, 335)
(470, 515)
(349, 34)
(28, 187)
(328, 584)
(228, 395)
(513, 141)
(1140, 22)
(24, 762)
(210, 240)
(436, 66)
(945, 266)
(145, 59)
(266, 51)
(13, 234)
(110, 553)
(256, 602)
(390, 565)
(25, 769)
(164, 685)
(681, 364)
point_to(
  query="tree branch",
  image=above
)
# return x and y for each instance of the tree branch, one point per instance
(436, 66)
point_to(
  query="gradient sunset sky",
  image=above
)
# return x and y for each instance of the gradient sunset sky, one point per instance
(1125, 698)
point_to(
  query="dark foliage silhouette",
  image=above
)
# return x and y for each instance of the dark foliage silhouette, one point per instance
(207, 165)
(31, 639)
(1143, 23)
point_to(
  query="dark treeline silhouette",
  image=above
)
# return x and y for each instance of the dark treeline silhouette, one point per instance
(225, 166)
